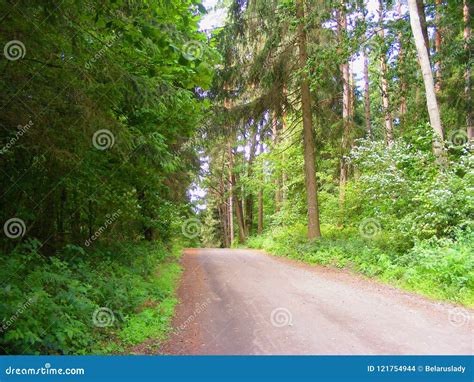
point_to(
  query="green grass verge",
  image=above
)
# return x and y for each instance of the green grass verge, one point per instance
(152, 321)
(440, 269)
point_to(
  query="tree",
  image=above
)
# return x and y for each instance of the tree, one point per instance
(314, 230)
(346, 104)
(467, 73)
(424, 60)
(403, 82)
(383, 73)
(439, 77)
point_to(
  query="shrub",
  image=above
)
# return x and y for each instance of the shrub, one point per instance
(47, 304)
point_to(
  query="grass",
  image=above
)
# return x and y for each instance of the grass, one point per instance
(152, 321)
(440, 269)
(129, 286)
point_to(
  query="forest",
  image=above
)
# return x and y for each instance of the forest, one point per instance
(342, 135)
(334, 132)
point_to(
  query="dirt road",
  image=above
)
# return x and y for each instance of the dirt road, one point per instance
(247, 302)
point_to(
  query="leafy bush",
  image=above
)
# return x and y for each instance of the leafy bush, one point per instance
(404, 189)
(47, 304)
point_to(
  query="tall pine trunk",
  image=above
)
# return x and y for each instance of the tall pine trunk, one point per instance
(249, 200)
(387, 115)
(368, 123)
(439, 77)
(346, 113)
(401, 57)
(276, 140)
(467, 75)
(420, 6)
(235, 197)
(260, 200)
(424, 61)
(314, 230)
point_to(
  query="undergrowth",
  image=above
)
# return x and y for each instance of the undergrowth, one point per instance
(86, 303)
(438, 268)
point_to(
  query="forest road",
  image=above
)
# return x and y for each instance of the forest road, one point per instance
(236, 301)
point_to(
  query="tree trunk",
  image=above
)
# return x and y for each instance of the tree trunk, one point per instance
(275, 139)
(314, 230)
(260, 201)
(368, 124)
(346, 113)
(148, 231)
(284, 119)
(385, 92)
(231, 211)
(401, 58)
(224, 214)
(467, 74)
(424, 60)
(76, 221)
(420, 6)
(439, 4)
(236, 201)
(250, 198)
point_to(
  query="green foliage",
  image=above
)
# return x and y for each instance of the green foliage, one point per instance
(48, 304)
(404, 189)
(134, 74)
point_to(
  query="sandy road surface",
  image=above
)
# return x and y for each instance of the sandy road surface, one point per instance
(247, 302)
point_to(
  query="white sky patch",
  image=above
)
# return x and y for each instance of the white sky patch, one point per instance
(215, 17)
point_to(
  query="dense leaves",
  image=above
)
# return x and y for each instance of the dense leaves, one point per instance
(100, 101)
(387, 197)
(110, 91)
